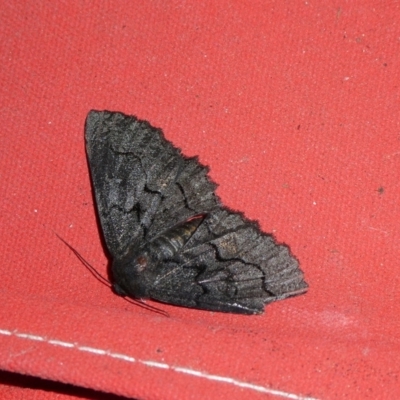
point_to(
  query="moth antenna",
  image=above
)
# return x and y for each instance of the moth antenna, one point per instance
(91, 269)
(106, 282)
(142, 304)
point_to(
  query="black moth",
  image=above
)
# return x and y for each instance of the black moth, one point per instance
(169, 236)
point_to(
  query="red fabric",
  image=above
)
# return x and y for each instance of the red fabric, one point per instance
(295, 107)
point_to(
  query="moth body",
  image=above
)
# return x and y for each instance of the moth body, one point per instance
(136, 274)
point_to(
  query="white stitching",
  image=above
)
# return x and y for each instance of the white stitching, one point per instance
(155, 364)
(60, 343)
(92, 350)
(122, 357)
(31, 337)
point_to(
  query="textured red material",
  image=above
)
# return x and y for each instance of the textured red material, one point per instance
(295, 107)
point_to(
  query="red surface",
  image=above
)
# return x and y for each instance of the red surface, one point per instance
(295, 107)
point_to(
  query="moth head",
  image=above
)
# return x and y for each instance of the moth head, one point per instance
(141, 263)
(132, 275)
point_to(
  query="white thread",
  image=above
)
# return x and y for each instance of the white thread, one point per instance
(246, 385)
(31, 337)
(188, 371)
(155, 364)
(60, 343)
(92, 350)
(122, 357)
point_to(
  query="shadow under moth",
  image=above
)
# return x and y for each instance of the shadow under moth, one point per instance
(169, 236)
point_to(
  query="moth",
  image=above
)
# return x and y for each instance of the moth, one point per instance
(169, 236)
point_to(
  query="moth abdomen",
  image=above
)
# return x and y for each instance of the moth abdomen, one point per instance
(172, 240)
